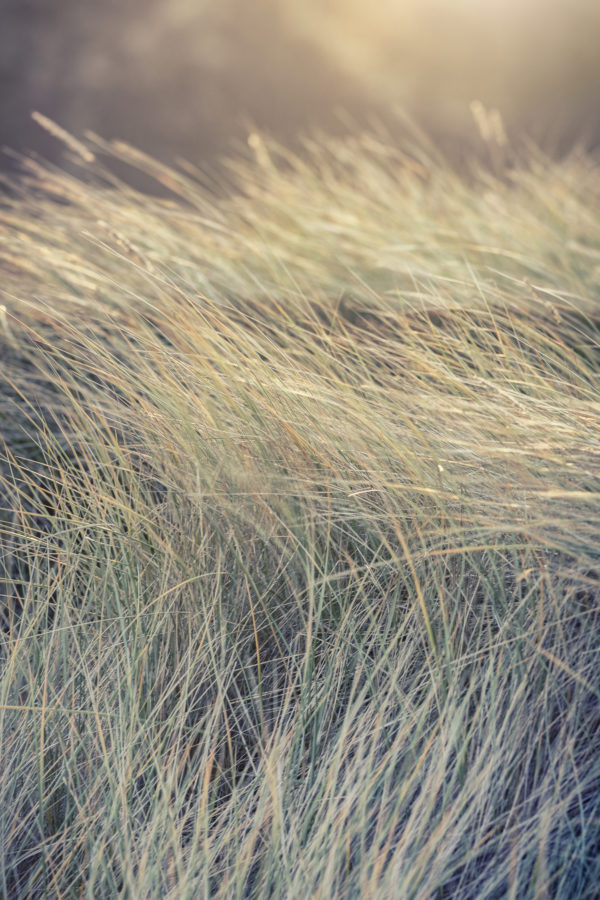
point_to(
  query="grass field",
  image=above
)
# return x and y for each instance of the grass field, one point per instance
(300, 528)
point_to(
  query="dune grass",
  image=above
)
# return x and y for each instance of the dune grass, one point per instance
(300, 557)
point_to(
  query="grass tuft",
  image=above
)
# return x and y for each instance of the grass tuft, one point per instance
(299, 529)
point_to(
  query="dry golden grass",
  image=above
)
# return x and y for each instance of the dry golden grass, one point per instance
(300, 538)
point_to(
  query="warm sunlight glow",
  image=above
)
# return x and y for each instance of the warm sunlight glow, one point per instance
(437, 56)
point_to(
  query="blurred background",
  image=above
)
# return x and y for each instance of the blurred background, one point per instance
(188, 77)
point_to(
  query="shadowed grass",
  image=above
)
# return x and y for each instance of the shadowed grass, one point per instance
(300, 532)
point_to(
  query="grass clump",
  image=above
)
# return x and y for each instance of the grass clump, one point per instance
(300, 529)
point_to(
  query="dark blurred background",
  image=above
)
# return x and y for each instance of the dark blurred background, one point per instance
(185, 77)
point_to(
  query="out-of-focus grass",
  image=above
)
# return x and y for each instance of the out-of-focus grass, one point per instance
(300, 529)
